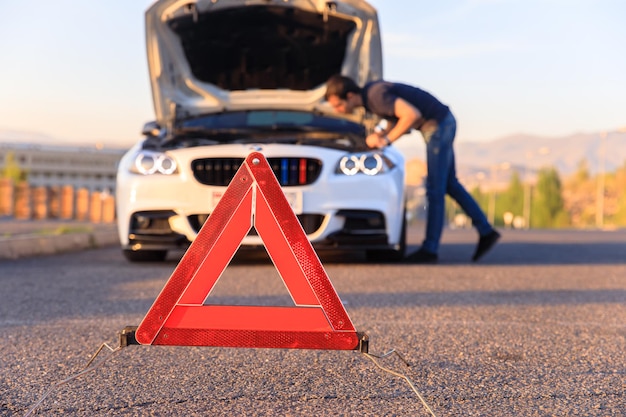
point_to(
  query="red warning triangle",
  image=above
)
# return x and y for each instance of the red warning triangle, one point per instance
(317, 321)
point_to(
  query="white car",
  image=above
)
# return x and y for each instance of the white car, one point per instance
(230, 77)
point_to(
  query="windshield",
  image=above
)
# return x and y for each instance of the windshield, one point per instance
(267, 126)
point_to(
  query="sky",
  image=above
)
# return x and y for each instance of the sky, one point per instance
(76, 71)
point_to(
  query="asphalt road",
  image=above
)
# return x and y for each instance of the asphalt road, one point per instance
(537, 328)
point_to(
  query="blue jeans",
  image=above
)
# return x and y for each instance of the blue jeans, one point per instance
(442, 180)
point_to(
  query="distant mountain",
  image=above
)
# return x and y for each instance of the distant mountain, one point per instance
(494, 161)
(38, 138)
(534, 152)
(15, 136)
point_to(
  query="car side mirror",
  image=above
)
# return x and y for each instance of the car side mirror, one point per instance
(151, 129)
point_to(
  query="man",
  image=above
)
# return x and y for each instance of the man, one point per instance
(406, 107)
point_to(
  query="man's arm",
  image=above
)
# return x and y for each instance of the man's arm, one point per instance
(408, 116)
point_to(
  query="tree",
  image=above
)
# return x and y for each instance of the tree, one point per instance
(12, 169)
(579, 195)
(548, 206)
(615, 199)
(582, 171)
(512, 199)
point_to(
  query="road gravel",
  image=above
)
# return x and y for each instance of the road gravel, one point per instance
(536, 328)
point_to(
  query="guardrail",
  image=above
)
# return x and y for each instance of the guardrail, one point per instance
(25, 202)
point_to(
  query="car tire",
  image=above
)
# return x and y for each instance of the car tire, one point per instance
(145, 255)
(390, 255)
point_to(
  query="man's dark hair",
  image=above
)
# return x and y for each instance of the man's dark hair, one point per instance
(340, 86)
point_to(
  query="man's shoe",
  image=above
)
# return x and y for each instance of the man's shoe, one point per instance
(422, 256)
(485, 243)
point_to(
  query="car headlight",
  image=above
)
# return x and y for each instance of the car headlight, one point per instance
(370, 163)
(149, 162)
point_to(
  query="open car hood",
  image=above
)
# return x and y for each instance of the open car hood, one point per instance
(210, 56)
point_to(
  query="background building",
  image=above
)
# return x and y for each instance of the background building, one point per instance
(93, 168)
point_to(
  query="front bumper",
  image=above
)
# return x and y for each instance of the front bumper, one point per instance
(362, 230)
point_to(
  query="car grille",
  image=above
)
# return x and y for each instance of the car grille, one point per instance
(288, 171)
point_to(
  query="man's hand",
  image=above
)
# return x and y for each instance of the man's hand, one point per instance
(376, 141)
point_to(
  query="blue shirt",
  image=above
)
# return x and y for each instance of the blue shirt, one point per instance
(380, 96)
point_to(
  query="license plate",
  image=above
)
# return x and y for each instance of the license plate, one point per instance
(294, 198)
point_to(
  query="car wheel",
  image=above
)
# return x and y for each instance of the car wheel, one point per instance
(390, 255)
(145, 255)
